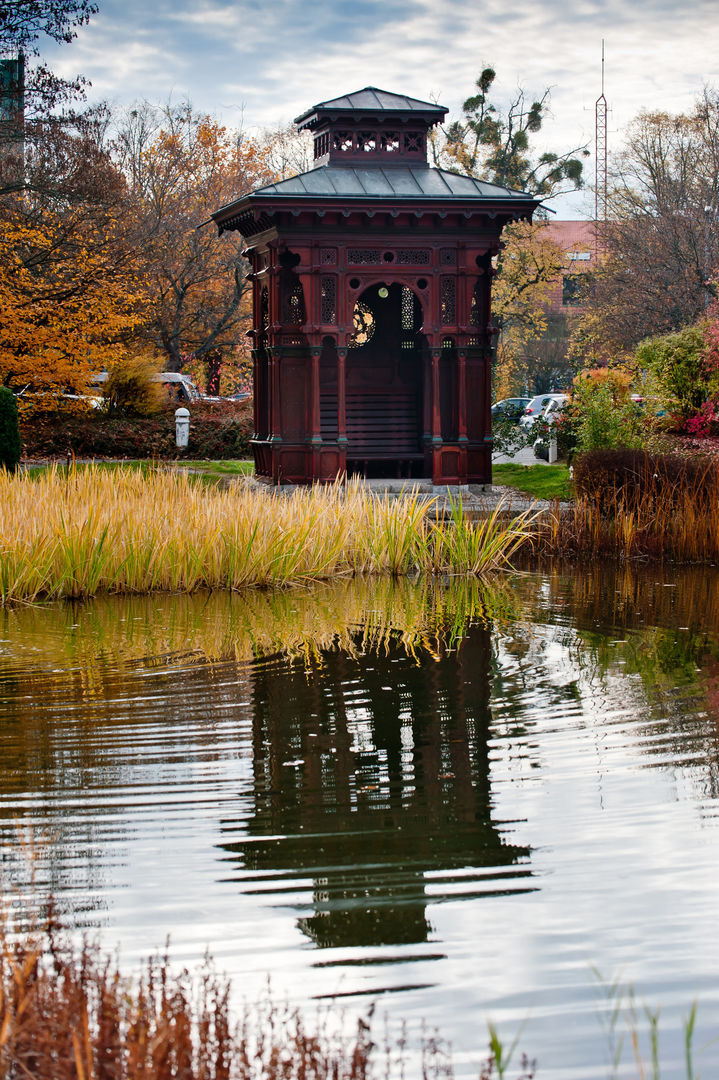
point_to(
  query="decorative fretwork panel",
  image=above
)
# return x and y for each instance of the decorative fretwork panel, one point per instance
(264, 311)
(342, 140)
(322, 144)
(364, 256)
(414, 143)
(414, 256)
(474, 310)
(293, 304)
(328, 293)
(367, 141)
(447, 257)
(328, 256)
(448, 301)
(389, 142)
(408, 302)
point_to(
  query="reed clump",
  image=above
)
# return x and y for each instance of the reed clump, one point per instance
(67, 1013)
(88, 531)
(631, 504)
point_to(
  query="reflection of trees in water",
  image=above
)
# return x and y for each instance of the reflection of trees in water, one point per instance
(658, 623)
(371, 773)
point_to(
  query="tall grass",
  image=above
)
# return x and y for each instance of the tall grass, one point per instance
(630, 504)
(682, 528)
(89, 531)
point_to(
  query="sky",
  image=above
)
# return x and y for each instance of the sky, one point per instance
(261, 64)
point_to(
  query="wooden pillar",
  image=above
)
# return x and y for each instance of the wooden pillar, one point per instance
(275, 416)
(315, 397)
(342, 397)
(436, 415)
(462, 395)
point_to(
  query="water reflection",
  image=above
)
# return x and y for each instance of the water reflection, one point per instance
(369, 786)
(371, 773)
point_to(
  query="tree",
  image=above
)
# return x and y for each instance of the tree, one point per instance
(68, 297)
(661, 240)
(495, 146)
(530, 354)
(68, 281)
(32, 98)
(22, 22)
(180, 166)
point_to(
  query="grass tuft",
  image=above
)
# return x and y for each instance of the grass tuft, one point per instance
(80, 532)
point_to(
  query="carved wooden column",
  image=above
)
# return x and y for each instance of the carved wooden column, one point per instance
(462, 394)
(315, 430)
(342, 403)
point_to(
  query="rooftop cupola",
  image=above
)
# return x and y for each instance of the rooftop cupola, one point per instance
(371, 126)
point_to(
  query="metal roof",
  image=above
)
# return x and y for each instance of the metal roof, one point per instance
(372, 99)
(394, 181)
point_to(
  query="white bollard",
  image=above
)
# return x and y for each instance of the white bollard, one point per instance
(552, 451)
(182, 426)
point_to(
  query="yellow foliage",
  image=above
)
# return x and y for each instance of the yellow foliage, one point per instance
(617, 379)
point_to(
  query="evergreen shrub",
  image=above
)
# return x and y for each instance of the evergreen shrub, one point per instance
(9, 430)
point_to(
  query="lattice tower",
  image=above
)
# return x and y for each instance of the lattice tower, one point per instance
(600, 153)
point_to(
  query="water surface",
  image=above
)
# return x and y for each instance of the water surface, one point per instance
(453, 800)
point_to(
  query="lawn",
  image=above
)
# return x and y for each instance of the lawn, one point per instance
(541, 481)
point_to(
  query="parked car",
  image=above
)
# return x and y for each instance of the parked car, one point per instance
(179, 387)
(509, 408)
(538, 407)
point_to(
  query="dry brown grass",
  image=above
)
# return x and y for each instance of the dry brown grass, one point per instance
(67, 1013)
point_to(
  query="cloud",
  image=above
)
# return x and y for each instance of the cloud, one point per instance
(273, 61)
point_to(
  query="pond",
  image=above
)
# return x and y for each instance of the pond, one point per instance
(462, 802)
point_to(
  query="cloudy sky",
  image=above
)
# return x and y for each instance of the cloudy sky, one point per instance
(263, 63)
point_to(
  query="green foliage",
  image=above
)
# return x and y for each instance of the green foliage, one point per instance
(496, 146)
(601, 422)
(678, 372)
(9, 431)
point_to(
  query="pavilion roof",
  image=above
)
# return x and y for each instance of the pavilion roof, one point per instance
(372, 100)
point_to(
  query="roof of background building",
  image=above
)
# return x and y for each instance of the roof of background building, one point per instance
(573, 235)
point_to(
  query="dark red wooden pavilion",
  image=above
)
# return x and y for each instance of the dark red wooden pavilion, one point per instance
(371, 275)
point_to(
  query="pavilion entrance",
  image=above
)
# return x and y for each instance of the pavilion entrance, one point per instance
(386, 363)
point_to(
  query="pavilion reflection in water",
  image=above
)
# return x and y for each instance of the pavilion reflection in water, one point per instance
(372, 779)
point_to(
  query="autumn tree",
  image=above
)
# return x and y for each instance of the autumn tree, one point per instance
(661, 240)
(180, 166)
(68, 287)
(495, 145)
(531, 348)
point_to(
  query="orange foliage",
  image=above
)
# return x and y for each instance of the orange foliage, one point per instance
(68, 294)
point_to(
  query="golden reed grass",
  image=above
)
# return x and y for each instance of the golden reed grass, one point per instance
(91, 531)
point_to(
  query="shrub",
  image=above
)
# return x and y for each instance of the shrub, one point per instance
(679, 363)
(98, 435)
(604, 419)
(130, 389)
(9, 430)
